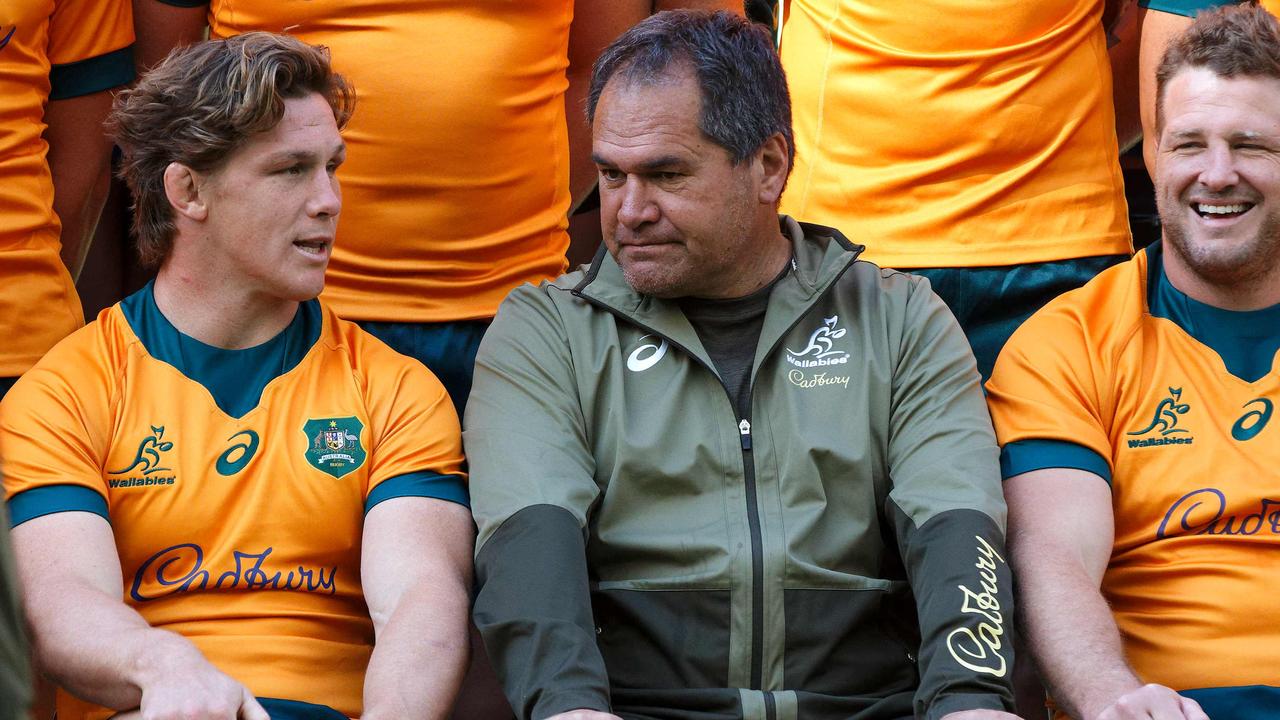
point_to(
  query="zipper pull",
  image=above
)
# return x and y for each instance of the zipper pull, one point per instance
(744, 429)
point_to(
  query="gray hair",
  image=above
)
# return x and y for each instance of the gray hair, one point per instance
(744, 91)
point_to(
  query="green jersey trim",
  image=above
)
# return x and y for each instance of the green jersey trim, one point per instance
(235, 378)
(423, 483)
(1246, 341)
(1027, 455)
(50, 499)
(91, 75)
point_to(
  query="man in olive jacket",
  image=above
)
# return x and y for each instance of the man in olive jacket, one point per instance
(729, 471)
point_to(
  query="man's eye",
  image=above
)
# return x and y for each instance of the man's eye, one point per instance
(610, 175)
(668, 176)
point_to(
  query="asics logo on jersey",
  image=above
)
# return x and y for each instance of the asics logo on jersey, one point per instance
(8, 36)
(148, 456)
(234, 458)
(647, 355)
(821, 350)
(1252, 422)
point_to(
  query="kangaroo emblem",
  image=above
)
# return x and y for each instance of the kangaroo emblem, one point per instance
(148, 455)
(820, 344)
(1166, 416)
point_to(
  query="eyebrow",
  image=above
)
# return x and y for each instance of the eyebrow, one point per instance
(657, 163)
(304, 155)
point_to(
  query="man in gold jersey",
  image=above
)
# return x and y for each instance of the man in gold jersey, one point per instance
(226, 500)
(1136, 418)
(975, 144)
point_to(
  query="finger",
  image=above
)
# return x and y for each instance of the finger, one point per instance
(1191, 709)
(250, 709)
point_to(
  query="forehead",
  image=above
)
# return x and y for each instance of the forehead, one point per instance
(1200, 100)
(634, 116)
(307, 125)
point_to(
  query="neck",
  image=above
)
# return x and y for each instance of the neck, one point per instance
(771, 255)
(201, 307)
(1253, 289)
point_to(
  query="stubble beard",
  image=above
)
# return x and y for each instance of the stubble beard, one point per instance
(1229, 267)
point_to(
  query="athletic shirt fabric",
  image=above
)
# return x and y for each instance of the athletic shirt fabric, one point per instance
(948, 133)
(729, 330)
(1123, 378)
(237, 502)
(49, 50)
(455, 188)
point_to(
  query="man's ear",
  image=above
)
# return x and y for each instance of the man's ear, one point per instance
(182, 189)
(775, 165)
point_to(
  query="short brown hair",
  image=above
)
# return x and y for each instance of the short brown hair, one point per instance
(1230, 41)
(202, 103)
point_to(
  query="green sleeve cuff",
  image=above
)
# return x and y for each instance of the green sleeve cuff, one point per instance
(50, 499)
(420, 484)
(91, 75)
(1027, 455)
(1187, 8)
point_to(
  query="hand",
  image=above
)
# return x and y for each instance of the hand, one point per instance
(195, 690)
(584, 715)
(980, 715)
(1153, 701)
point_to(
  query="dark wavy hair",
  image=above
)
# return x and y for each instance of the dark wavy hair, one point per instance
(202, 103)
(744, 91)
(1231, 41)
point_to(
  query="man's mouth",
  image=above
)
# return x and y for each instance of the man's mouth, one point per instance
(1223, 211)
(312, 247)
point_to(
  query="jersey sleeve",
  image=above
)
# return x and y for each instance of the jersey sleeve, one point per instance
(417, 441)
(1047, 395)
(90, 47)
(55, 432)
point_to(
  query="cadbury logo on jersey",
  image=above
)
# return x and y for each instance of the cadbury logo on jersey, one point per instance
(181, 568)
(1164, 422)
(148, 464)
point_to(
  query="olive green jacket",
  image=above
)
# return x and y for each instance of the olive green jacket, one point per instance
(645, 550)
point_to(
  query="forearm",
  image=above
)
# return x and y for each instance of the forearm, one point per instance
(534, 611)
(1071, 634)
(421, 653)
(96, 646)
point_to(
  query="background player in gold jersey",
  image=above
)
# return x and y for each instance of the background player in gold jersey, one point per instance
(1136, 419)
(220, 490)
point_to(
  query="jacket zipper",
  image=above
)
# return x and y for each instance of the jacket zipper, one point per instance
(748, 471)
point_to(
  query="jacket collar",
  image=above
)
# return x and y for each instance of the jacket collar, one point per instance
(819, 256)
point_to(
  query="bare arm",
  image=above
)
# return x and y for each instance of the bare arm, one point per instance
(1061, 531)
(1123, 40)
(80, 164)
(160, 28)
(100, 648)
(415, 567)
(1157, 29)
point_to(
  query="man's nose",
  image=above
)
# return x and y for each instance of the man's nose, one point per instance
(637, 206)
(326, 196)
(1219, 171)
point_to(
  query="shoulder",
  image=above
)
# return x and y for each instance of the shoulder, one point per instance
(1099, 318)
(90, 359)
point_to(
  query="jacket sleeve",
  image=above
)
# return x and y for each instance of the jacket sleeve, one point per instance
(948, 513)
(532, 486)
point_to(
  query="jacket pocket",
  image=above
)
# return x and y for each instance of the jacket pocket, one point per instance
(654, 639)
